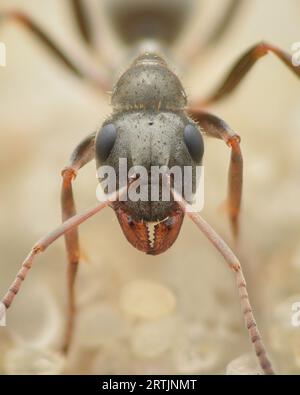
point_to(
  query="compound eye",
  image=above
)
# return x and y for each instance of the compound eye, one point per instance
(105, 141)
(194, 142)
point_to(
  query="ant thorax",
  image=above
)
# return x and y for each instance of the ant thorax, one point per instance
(148, 84)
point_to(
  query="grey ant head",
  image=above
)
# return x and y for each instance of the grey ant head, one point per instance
(150, 139)
(146, 139)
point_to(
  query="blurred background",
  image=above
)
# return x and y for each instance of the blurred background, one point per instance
(178, 312)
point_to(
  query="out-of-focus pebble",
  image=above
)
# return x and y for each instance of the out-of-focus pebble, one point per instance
(196, 351)
(36, 318)
(99, 324)
(151, 339)
(244, 365)
(114, 358)
(97, 281)
(2, 314)
(297, 356)
(32, 360)
(147, 299)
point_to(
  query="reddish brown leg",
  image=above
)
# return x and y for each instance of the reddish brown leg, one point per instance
(241, 68)
(80, 68)
(83, 154)
(216, 127)
(235, 266)
(67, 226)
(46, 241)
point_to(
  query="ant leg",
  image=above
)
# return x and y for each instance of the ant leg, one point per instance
(216, 127)
(50, 238)
(80, 68)
(242, 67)
(226, 21)
(82, 20)
(234, 265)
(83, 154)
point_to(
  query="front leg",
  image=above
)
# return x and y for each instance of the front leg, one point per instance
(235, 266)
(83, 154)
(46, 241)
(217, 128)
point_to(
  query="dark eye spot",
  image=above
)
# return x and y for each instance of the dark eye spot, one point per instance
(194, 142)
(105, 141)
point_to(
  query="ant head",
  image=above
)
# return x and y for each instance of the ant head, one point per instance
(141, 141)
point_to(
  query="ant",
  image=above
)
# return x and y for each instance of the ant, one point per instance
(151, 124)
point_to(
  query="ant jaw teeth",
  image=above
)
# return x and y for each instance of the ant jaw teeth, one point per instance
(152, 228)
(151, 233)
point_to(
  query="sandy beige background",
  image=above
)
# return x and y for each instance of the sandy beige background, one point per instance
(45, 111)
